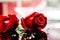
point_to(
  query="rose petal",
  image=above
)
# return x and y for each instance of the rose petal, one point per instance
(23, 24)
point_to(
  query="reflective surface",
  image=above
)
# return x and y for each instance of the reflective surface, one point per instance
(53, 30)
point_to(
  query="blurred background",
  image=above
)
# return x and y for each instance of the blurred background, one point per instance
(22, 8)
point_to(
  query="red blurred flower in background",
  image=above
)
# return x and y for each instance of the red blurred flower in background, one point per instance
(8, 25)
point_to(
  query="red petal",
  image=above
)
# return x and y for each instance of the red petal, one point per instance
(32, 15)
(23, 24)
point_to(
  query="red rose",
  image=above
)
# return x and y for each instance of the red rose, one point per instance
(7, 24)
(33, 21)
(13, 22)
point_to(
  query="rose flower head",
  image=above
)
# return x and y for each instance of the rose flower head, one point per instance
(33, 21)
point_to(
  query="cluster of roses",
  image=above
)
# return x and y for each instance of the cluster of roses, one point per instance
(32, 25)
